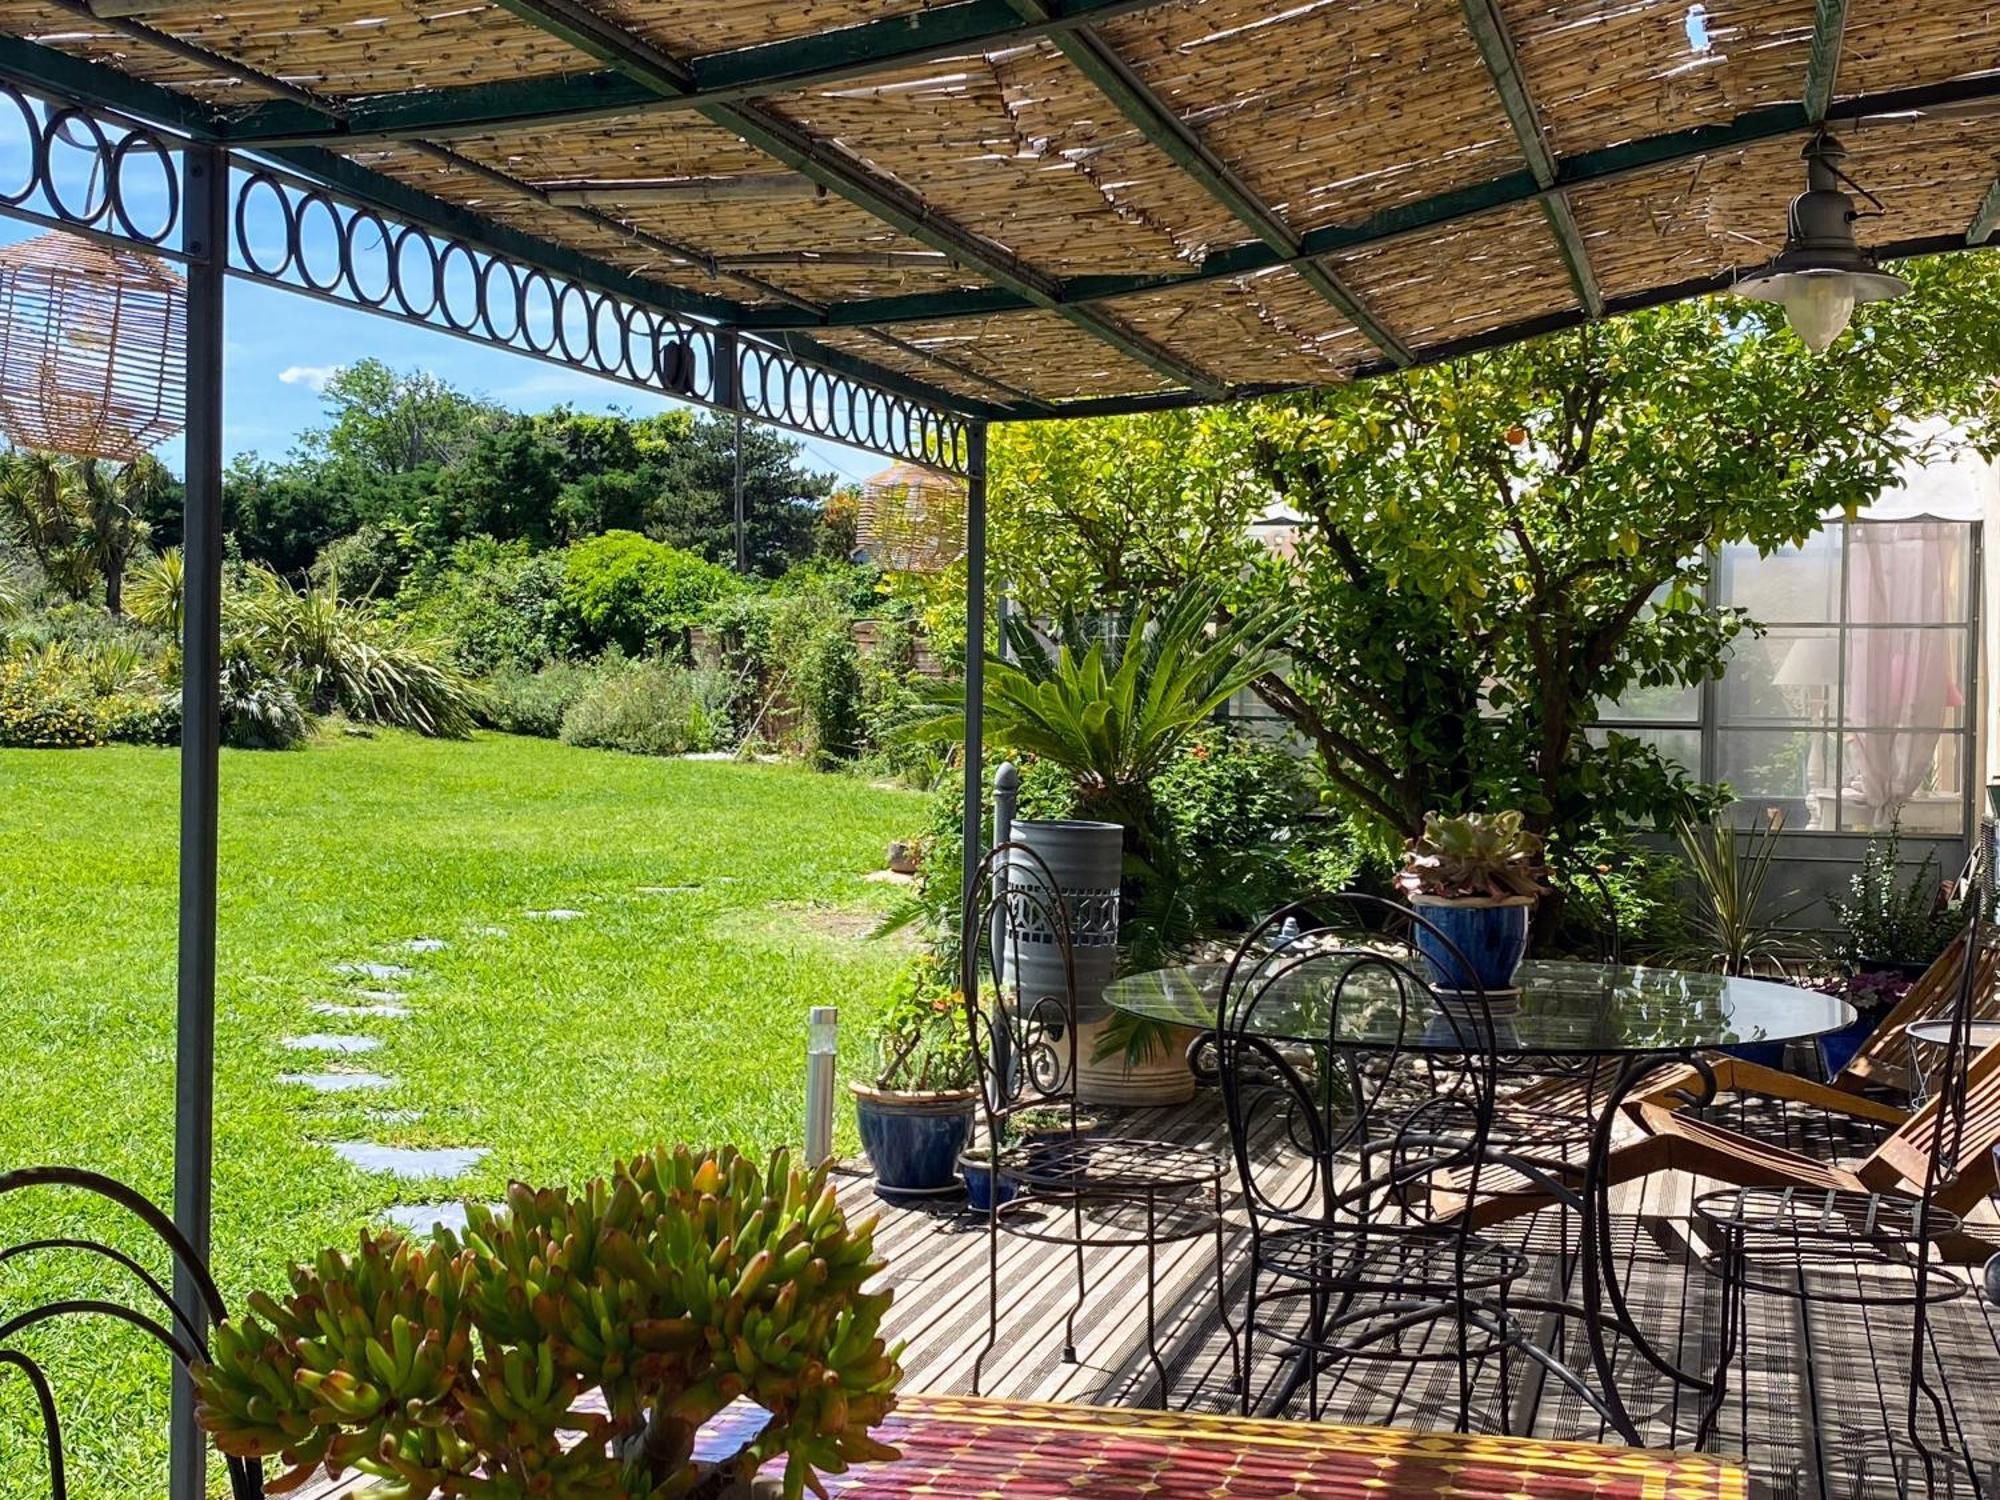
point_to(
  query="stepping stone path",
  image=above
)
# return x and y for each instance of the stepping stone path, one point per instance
(338, 1083)
(376, 971)
(556, 914)
(426, 945)
(324, 1041)
(382, 1010)
(422, 1218)
(411, 1163)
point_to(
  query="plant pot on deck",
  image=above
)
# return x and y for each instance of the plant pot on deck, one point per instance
(1161, 1077)
(913, 1141)
(1490, 934)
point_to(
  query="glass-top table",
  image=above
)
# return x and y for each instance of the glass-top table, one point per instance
(1564, 1008)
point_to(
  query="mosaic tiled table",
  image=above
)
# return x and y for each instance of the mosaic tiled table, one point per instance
(973, 1448)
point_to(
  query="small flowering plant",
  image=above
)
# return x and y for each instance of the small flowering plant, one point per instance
(921, 1041)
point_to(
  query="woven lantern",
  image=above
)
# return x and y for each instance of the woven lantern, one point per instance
(91, 348)
(912, 519)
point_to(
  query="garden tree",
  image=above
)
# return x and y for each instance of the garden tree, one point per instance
(1487, 550)
(782, 501)
(394, 422)
(82, 520)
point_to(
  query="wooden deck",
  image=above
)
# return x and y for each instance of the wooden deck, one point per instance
(1820, 1415)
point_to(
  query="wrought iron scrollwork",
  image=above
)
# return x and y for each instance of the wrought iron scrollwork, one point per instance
(89, 171)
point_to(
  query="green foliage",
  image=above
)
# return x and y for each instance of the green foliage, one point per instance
(1731, 930)
(500, 604)
(921, 1044)
(397, 423)
(651, 707)
(70, 693)
(82, 520)
(38, 712)
(811, 643)
(1474, 856)
(677, 1286)
(338, 653)
(638, 595)
(1885, 921)
(519, 702)
(157, 590)
(1643, 887)
(260, 709)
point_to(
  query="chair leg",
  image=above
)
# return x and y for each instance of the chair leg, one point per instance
(1735, 1308)
(1222, 1293)
(992, 1278)
(1082, 1287)
(1152, 1314)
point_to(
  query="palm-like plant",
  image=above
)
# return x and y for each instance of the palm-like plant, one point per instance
(1113, 715)
(1729, 930)
(158, 591)
(41, 505)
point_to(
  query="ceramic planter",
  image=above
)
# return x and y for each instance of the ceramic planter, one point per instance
(913, 1141)
(978, 1174)
(1163, 1078)
(1490, 934)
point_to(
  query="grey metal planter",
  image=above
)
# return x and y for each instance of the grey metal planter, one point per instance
(1085, 859)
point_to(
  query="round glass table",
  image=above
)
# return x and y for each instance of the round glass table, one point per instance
(1628, 1021)
(1563, 1009)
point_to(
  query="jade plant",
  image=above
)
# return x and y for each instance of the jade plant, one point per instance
(457, 1366)
(1474, 857)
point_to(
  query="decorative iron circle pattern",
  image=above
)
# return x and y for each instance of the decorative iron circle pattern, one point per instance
(85, 169)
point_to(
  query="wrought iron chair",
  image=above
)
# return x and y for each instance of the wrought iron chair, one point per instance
(1336, 1151)
(1063, 1186)
(1904, 1206)
(181, 1336)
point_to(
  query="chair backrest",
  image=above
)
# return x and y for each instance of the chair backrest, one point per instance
(168, 1325)
(1345, 1080)
(1017, 973)
(1883, 1058)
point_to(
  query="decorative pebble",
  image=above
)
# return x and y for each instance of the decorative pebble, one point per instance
(426, 945)
(338, 1083)
(375, 971)
(322, 1041)
(383, 1009)
(410, 1163)
(556, 914)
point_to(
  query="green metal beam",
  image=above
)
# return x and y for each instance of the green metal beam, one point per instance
(846, 175)
(719, 77)
(1829, 24)
(1496, 47)
(1136, 100)
(1987, 219)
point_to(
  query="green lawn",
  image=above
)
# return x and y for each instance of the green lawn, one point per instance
(670, 1013)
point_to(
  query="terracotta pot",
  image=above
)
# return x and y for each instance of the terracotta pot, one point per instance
(1163, 1078)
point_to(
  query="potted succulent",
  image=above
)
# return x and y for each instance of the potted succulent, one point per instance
(915, 1113)
(459, 1365)
(1475, 879)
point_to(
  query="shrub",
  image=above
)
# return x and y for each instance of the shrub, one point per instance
(39, 712)
(518, 702)
(652, 708)
(812, 645)
(340, 654)
(638, 595)
(142, 719)
(500, 605)
(1887, 921)
(259, 709)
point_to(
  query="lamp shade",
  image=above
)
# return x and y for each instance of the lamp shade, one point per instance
(911, 519)
(91, 348)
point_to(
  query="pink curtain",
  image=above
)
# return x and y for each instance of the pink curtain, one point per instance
(1899, 574)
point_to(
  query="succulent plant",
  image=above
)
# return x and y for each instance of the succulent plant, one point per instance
(455, 1366)
(1476, 856)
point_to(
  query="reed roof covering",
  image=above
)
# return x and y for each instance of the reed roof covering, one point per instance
(1075, 205)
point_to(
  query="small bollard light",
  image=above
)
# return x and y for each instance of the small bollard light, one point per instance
(822, 1046)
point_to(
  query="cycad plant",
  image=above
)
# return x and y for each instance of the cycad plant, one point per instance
(157, 590)
(1729, 932)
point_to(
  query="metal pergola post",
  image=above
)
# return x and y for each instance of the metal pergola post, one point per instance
(975, 650)
(205, 238)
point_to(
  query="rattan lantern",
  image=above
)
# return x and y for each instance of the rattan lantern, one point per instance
(91, 348)
(912, 519)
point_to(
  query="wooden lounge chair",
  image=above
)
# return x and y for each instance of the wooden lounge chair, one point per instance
(1673, 1140)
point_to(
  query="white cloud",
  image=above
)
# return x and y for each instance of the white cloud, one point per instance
(313, 377)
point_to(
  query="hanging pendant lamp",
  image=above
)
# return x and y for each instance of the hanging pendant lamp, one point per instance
(1822, 272)
(911, 519)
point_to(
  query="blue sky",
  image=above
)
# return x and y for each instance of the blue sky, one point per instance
(279, 347)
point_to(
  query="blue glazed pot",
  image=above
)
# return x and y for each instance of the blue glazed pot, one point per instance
(1763, 1054)
(913, 1141)
(1492, 939)
(979, 1183)
(1837, 1048)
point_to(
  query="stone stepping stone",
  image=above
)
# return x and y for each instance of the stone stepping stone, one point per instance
(324, 1041)
(338, 1083)
(383, 1010)
(413, 1164)
(556, 914)
(426, 945)
(376, 971)
(422, 1218)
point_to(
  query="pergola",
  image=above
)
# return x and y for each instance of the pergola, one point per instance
(893, 222)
